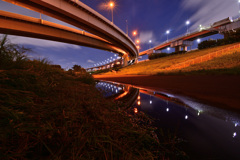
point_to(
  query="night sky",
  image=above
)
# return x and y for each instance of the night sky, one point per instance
(150, 17)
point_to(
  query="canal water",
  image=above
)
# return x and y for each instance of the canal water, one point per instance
(205, 131)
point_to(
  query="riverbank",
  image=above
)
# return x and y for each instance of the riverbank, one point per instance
(221, 91)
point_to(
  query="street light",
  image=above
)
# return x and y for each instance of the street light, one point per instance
(238, 6)
(167, 32)
(137, 41)
(168, 49)
(198, 40)
(111, 5)
(150, 41)
(187, 23)
(134, 33)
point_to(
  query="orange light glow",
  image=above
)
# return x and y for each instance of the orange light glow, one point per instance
(122, 95)
(139, 103)
(138, 97)
(134, 33)
(135, 110)
(137, 41)
(111, 4)
(138, 47)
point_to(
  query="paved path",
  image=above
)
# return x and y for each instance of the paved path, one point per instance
(220, 91)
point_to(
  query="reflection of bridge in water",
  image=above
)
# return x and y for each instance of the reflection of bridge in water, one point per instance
(130, 95)
(193, 122)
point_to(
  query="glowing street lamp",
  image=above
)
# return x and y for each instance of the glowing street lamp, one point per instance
(134, 33)
(187, 23)
(137, 41)
(150, 42)
(198, 40)
(167, 32)
(111, 5)
(138, 47)
(238, 6)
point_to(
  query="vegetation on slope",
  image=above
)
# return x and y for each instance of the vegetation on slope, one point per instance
(228, 64)
(157, 66)
(47, 113)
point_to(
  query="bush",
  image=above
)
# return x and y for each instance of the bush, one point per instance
(12, 55)
(179, 52)
(157, 55)
(229, 38)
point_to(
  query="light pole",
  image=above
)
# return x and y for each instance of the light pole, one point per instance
(239, 6)
(150, 42)
(111, 5)
(126, 26)
(137, 41)
(198, 40)
(167, 32)
(187, 23)
(134, 33)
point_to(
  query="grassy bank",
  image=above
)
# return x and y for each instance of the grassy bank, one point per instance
(47, 113)
(229, 63)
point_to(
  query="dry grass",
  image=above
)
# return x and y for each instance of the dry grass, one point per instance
(157, 66)
(48, 114)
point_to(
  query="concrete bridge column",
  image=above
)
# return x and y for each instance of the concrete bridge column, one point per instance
(184, 48)
(125, 60)
(178, 48)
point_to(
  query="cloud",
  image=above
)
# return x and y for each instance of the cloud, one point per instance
(146, 36)
(209, 11)
(41, 43)
(90, 61)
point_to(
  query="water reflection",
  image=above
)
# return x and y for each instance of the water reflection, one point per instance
(210, 133)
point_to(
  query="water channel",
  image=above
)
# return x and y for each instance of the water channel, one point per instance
(206, 132)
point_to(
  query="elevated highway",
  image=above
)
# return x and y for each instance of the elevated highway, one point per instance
(185, 40)
(180, 40)
(16, 24)
(80, 15)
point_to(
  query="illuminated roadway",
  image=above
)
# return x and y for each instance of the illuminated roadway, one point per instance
(187, 38)
(80, 15)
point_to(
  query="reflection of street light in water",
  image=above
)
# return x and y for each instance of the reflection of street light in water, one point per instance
(139, 102)
(234, 134)
(135, 110)
(186, 116)
(167, 107)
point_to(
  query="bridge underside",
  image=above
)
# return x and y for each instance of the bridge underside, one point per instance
(20, 25)
(78, 14)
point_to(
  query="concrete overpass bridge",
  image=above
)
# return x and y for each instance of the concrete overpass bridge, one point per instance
(118, 62)
(80, 15)
(20, 25)
(183, 41)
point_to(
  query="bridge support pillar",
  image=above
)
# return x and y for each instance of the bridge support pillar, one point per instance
(184, 48)
(125, 60)
(178, 48)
